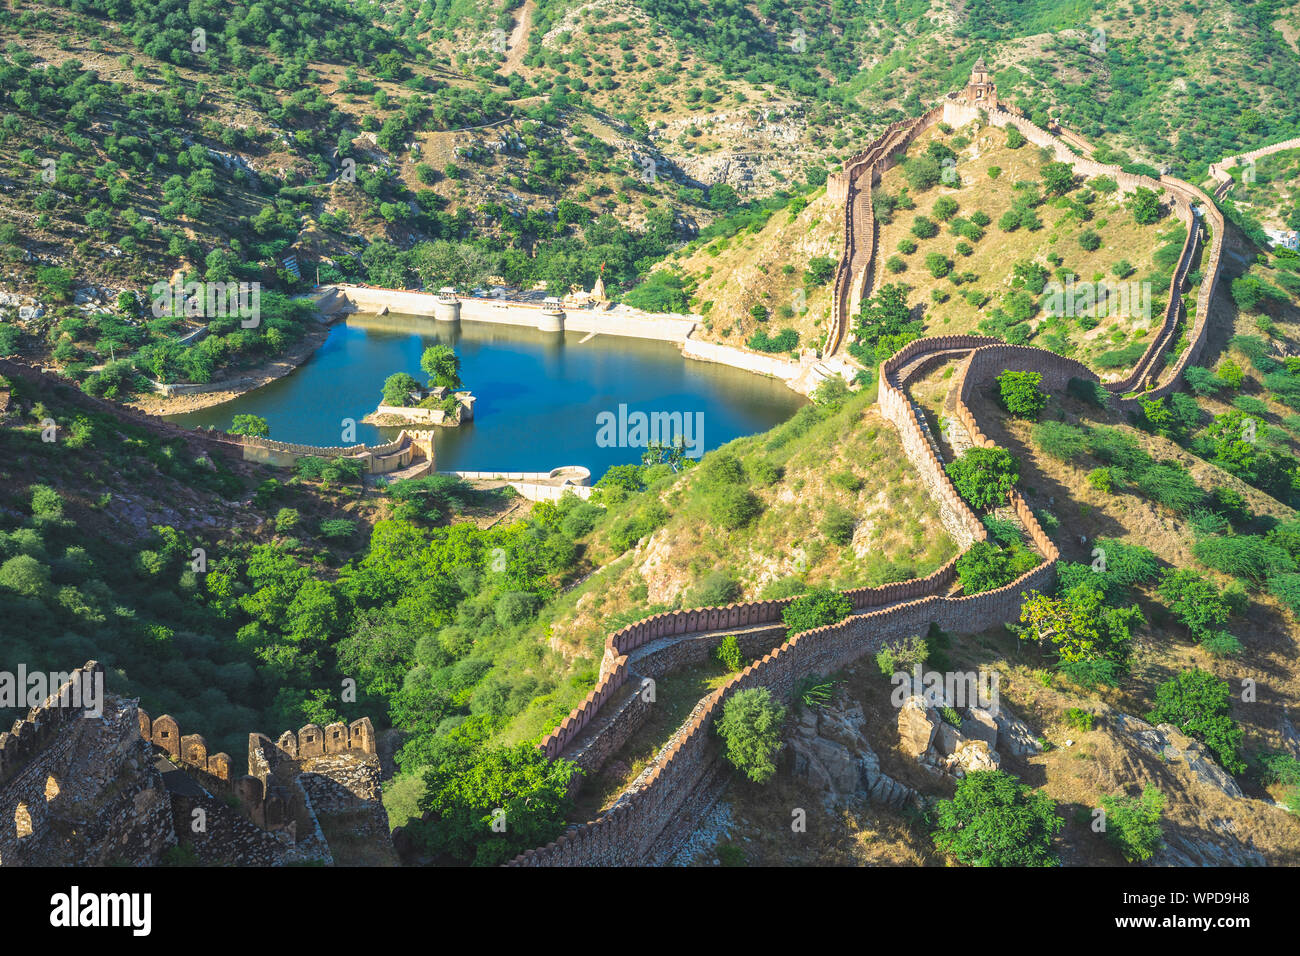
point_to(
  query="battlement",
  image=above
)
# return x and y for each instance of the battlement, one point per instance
(265, 795)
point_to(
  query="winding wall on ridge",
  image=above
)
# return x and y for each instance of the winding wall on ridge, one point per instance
(682, 782)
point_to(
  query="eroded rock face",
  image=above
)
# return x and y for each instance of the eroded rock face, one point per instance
(1170, 743)
(917, 726)
(1014, 736)
(829, 750)
(980, 725)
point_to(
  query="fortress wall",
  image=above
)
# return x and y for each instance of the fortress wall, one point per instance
(667, 800)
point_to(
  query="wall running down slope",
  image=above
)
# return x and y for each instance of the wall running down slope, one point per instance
(1197, 211)
(667, 801)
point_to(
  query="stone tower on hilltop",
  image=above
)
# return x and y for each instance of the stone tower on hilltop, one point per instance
(980, 92)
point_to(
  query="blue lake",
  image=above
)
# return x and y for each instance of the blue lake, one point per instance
(539, 394)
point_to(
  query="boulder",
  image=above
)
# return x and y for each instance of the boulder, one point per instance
(1014, 735)
(980, 724)
(947, 738)
(916, 726)
(972, 755)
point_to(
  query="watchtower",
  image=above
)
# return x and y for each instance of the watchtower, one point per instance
(980, 91)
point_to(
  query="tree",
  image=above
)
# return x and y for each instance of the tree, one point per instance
(442, 365)
(56, 280)
(750, 728)
(1019, 394)
(1198, 704)
(984, 476)
(1133, 823)
(398, 388)
(995, 820)
(984, 566)
(817, 608)
(491, 805)
(1197, 602)
(1080, 625)
(1145, 206)
(253, 425)
(1058, 178)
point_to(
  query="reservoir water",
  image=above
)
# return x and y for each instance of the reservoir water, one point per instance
(538, 393)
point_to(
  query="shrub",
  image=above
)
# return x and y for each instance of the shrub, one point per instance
(1195, 601)
(817, 608)
(902, 655)
(846, 480)
(945, 207)
(1089, 240)
(714, 590)
(46, 502)
(983, 476)
(750, 728)
(733, 506)
(784, 341)
(1133, 823)
(938, 264)
(1019, 394)
(924, 228)
(906, 246)
(286, 519)
(994, 820)
(337, 528)
(728, 653)
(1171, 486)
(1015, 138)
(1244, 556)
(1086, 390)
(1102, 479)
(838, 525)
(1286, 588)
(1145, 206)
(1198, 703)
(895, 264)
(984, 567)
(1062, 441)
(513, 608)
(1231, 374)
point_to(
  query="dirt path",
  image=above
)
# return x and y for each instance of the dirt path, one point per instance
(516, 44)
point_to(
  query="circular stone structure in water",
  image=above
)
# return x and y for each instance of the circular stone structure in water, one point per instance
(542, 396)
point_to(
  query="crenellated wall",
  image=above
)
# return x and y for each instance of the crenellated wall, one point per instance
(665, 802)
(260, 801)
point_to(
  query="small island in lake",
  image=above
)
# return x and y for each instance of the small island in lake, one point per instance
(441, 402)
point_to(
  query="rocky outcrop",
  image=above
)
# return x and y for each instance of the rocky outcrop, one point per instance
(1169, 743)
(946, 748)
(829, 751)
(1014, 735)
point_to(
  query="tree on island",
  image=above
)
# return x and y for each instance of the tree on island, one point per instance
(442, 366)
(398, 388)
(254, 425)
